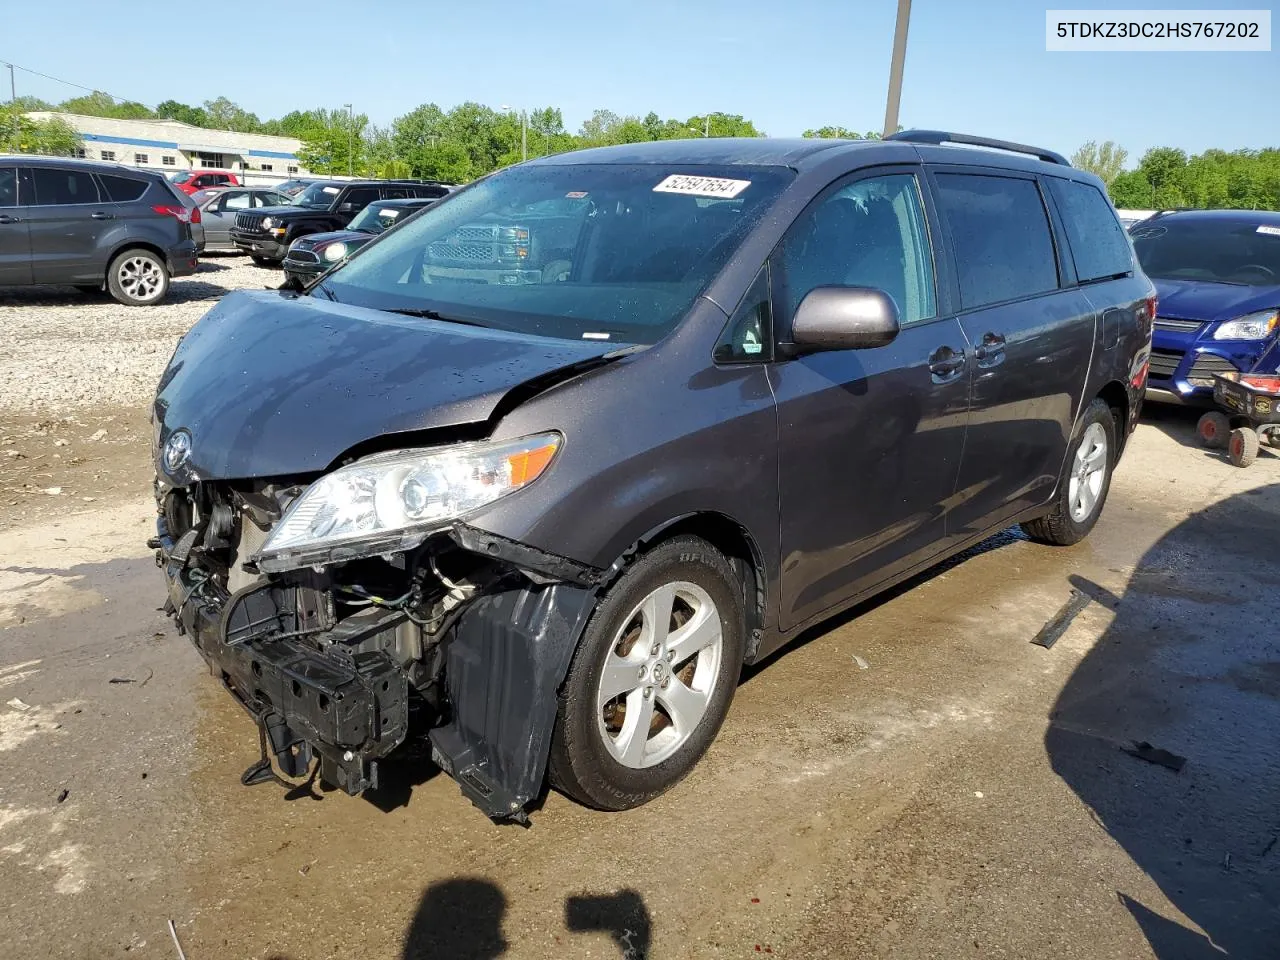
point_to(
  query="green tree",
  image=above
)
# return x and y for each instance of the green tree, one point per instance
(223, 114)
(1106, 160)
(833, 133)
(334, 143)
(173, 110)
(100, 104)
(27, 104)
(21, 134)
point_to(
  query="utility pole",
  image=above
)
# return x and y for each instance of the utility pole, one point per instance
(706, 129)
(13, 90)
(895, 67)
(351, 130)
(524, 135)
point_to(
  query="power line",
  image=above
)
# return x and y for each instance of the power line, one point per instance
(78, 86)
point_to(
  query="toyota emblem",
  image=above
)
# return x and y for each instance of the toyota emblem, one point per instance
(177, 450)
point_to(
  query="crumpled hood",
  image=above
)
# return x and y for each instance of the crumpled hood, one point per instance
(1203, 300)
(270, 386)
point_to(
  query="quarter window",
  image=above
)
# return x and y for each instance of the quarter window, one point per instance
(1099, 245)
(870, 233)
(748, 336)
(1000, 233)
(56, 187)
(122, 189)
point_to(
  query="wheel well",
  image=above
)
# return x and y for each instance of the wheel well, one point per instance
(1116, 396)
(138, 245)
(731, 539)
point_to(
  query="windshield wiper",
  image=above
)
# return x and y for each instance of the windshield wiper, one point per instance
(426, 313)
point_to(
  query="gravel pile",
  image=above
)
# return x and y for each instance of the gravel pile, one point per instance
(64, 350)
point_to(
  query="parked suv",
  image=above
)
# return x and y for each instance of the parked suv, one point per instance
(189, 181)
(552, 521)
(312, 255)
(93, 224)
(324, 206)
(1217, 273)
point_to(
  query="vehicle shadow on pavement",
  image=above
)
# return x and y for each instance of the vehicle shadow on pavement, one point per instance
(1189, 670)
(461, 919)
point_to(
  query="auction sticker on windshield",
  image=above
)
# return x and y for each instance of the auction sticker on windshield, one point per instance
(701, 186)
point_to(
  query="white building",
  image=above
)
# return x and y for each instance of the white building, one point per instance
(170, 145)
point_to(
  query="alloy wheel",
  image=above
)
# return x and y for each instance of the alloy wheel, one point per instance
(1088, 473)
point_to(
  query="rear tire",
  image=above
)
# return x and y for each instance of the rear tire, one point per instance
(1242, 448)
(1086, 478)
(684, 601)
(138, 278)
(1212, 430)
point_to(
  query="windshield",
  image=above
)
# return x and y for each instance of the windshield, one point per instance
(318, 196)
(579, 251)
(376, 218)
(1221, 251)
(180, 177)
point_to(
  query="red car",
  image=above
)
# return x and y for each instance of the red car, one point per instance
(189, 181)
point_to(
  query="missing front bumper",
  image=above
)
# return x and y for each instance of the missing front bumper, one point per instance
(348, 711)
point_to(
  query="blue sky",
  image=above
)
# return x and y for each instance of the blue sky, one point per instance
(977, 67)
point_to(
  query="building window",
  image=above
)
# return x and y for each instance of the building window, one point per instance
(168, 161)
(215, 160)
(108, 154)
(141, 159)
(81, 152)
(266, 168)
(293, 169)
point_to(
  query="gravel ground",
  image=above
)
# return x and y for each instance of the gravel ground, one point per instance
(67, 351)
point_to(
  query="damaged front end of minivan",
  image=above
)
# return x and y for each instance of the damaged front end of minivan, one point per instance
(349, 609)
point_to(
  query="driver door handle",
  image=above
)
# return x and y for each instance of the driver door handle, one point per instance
(990, 351)
(5, 218)
(946, 364)
(102, 215)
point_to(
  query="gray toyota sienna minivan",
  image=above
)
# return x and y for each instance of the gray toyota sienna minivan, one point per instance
(536, 474)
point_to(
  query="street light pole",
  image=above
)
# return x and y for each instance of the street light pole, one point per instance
(524, 129)
(351, 129)
(895, 67)
(706, 130)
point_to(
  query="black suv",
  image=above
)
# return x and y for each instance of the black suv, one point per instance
(552, 515)
(92, 224)
(323, 207)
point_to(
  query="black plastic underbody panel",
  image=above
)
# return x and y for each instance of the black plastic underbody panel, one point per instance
(507, 657)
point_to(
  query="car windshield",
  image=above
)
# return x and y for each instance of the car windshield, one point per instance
(181, 177)
(318, 196)
(1203, 248)
(577, 251)
(377, 217)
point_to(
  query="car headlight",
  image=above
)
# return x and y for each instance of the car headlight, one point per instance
(268, 223)
(388, 503)
(334, 252)
(1254, 326)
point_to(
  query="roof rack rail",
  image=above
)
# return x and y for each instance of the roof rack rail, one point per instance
(942, 136)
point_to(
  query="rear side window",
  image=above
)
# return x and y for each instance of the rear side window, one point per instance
(56, 187)
(1098, 242)
(8, 187)
(122, 189)
(1000, 232)
(361, 197)
(432, 193)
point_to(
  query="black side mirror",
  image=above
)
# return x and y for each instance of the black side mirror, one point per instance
(843, 318)
(347, 207)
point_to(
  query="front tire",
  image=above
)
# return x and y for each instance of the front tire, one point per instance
(1086, 478)
(138, 278)
(266, 262)
(652, 679)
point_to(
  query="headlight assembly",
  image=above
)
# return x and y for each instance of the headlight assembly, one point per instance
(334, 252)
(268, 223)
(391, 502)
(1253, 326)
